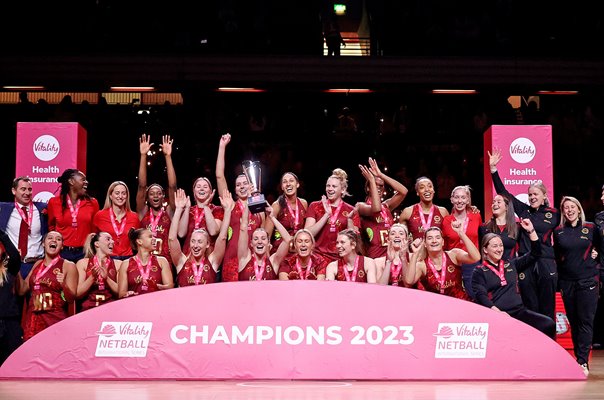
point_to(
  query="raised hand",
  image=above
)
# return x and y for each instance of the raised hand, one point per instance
(457, 227)
(373, 167)
(527, 224)
(417, 245)
(326, 205)
(145, 143)
(367, 173)
(494, 158)
(166, 145)
(180, 199)
(225, 139)
(226, 201)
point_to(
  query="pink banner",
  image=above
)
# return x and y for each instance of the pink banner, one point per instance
(45, 150)
(292, 330)
(527, 158)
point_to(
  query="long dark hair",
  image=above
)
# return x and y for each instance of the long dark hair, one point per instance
(510, 222)
(281, 199)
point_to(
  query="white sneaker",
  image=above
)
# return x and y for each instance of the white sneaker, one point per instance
(585, 369)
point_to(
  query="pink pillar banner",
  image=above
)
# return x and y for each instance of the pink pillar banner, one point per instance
(527, 159)
(292, 330)
(45, 150)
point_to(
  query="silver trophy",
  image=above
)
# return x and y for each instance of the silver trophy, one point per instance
(252, 171)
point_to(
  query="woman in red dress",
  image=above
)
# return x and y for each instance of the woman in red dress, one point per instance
(242, 192)
(439, 270)
(424, 214)
(52, 282)
(255, 261)
(330, 215)
(144, 272)
(97, 272)
(153, 211)
(117, 219)
(351, 266)
(376, 215)
(305, 264)
(72, 212)
(391, 267)
(289, 209)
(200, 265)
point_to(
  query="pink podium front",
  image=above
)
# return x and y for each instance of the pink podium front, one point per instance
(291, 330)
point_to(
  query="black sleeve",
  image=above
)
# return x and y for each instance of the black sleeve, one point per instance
(14, 263)
(528, 259)
(480, 288)
(519, 206)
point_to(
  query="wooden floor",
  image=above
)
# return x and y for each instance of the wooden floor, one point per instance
(593, 388)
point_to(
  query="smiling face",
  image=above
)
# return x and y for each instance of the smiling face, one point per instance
(425, 190)
(499, 207)
(105, 243)
(53, 243)
(333, 189)
(119, 195)
(155, 197)
(242, 187)
(199, 243)
(260, 242)
(146, 240)
(434, 240)
(202, 190)
(493, 251)
(571, 211)
(460, 200)
(536, 197)
(289, 185)
(303, 244)
(398, 237)
(23, 192)
(345, 246)
(79, 183)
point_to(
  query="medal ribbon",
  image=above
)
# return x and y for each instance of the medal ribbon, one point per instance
(426, 223)
(198, 270)
(144, 270)
(154, 221)
(348, 276)
(443, 271)
(500, 273)
(334, 216)
(299, 268)
(29, 218)
(118, 230)
(259, 268)
(74, 211)
(41, 273)
(295, 215)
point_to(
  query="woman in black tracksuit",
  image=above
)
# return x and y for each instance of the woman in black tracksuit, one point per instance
(495, 282)
(574, 241)
(538, 283)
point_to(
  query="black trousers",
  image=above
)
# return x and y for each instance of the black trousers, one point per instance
(538, 285)
(580, 301)
(538, 321)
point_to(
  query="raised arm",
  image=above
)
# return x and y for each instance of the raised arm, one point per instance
(183, 224)
(500, 188)
(178, 258)
(228, 204)
(363, 208)
(221, 182)
(460, 256)
(243, 248)
(269, 226)
(417, 265)
(166, 148)
(400, 190)
(141, 192)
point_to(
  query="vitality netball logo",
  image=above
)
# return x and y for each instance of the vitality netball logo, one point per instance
(46, 147)
(522, 150)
